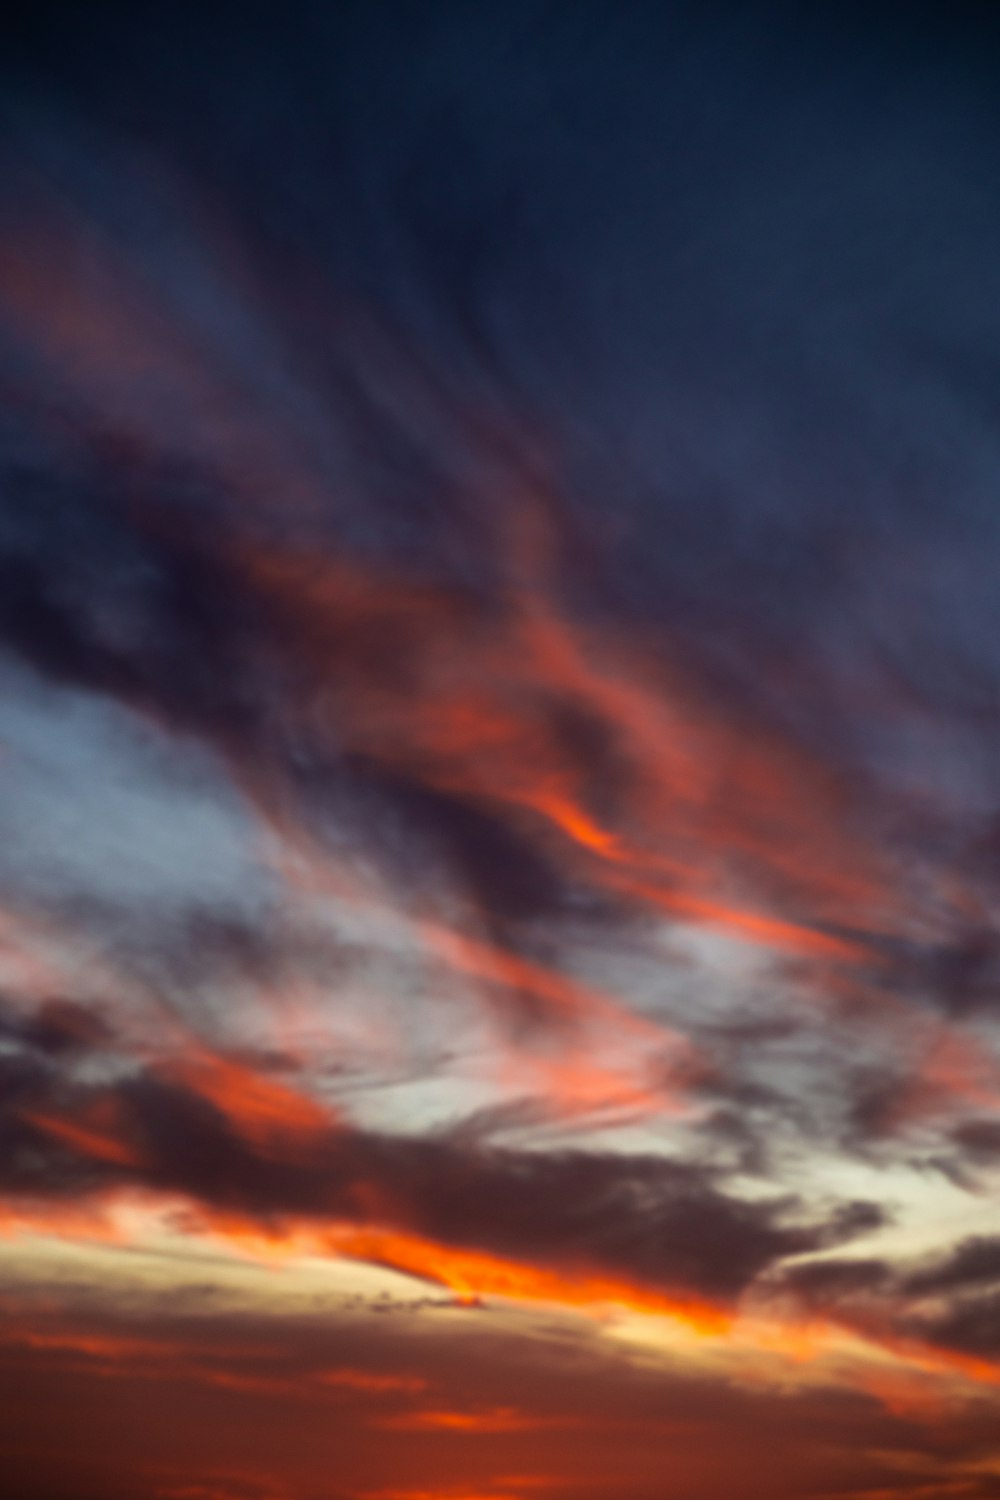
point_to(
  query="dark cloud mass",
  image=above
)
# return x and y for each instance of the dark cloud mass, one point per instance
(498, 795)
(652, 1221)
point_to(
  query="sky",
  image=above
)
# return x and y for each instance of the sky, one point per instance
(499, 803)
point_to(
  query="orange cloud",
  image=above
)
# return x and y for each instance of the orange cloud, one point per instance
(500, 1419)
(267, 1113)
(367, 1380)
(438, 1494)
(695, 799)
(471, 1274)
(86, 1139)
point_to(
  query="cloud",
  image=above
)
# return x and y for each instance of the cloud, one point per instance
(979, 1140)
(246, 1146)
(499, 617)
(971, 1325)
(257, 1398)
(942, 1306)
(972, 1262)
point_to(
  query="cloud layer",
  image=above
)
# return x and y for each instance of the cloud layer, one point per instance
(498, 650)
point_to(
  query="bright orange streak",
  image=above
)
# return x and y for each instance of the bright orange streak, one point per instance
(471, 1274)
(500, 1419)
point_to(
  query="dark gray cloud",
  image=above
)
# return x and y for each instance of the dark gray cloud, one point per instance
(652, 1221)
(971, 1263)
(970, 1325)
(979, 1139)
(948, 1300)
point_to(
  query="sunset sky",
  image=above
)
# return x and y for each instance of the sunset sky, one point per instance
(499, 776)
